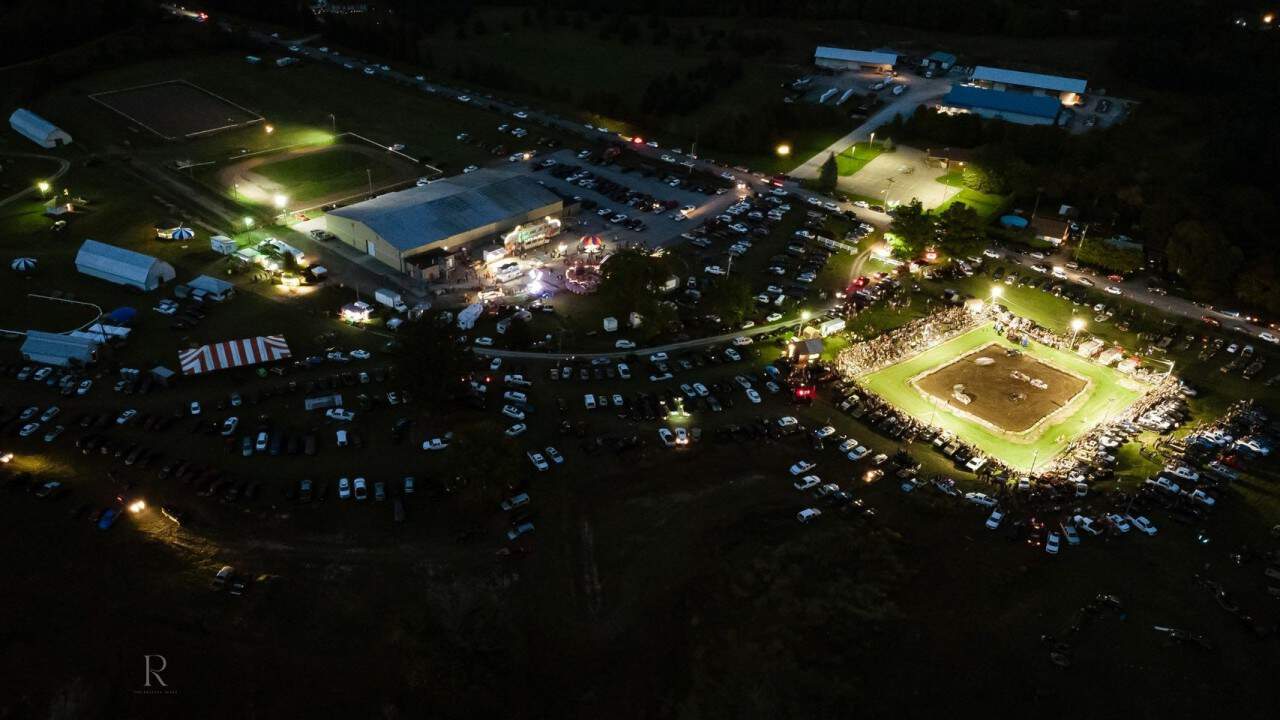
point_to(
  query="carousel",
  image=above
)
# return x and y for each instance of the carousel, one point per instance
(582, 274)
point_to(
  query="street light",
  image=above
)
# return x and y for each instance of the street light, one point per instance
(270, 128)
(248, 222)
(44, 187)
(804, 315)
(281, 201)
(996, 292)
(783, 150)
(1077, 324)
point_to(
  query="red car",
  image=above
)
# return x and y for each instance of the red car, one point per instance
(1210, 320)
(1116, 278)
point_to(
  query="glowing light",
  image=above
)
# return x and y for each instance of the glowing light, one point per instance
(997, 291)
(44, 187)
(804, 315)
(535, 287)
(281, 201)
(783, 150)
(137, 506)
(248, 221)
(1077, 324)
(270, 129)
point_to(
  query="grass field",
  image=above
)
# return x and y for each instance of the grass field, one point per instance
(311, 176)
(985, 204)
(856, 157)
(1109, 394)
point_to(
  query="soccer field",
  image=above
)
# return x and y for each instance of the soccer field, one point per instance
(1108, 393)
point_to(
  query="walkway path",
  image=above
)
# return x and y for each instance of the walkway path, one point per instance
(63, 167)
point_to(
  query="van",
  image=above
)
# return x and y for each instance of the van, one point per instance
(517, 381)
(514, 396)
(590, 401)
(342, 438)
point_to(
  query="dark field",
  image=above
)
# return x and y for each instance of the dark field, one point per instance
(1006, 402)
(176, 109)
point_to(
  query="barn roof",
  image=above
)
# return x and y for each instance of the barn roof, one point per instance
(866, 57)
(1056, 83)
(115, 263)
(419, 216)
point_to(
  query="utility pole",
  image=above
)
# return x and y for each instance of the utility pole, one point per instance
(333, 124)
(369, 172)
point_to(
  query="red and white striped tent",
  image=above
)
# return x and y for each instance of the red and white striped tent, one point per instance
(233, 353)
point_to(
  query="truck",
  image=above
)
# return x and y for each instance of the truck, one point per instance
(467, 318)
(391, 299)
(827, 328)
(223, 245)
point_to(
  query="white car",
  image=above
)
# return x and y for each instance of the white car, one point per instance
(1269, 338)
(808, 515)
(808, 482)
(360, 354)
(701, 389)
(1202, 497)
(732, 354)
(824, 432)
(981, 499)
(858, 453)
(682, 436)
(29, 429)
(666, 436)
(126, 416)
(436, 444)
(340, 414)
(344, 488)
(1112, 290)
(195, 408)
(1119, 522)
(742, 341)
(753, 396)
(484, 341)
(995, 519)
(229, 425)
(801, 467)
(512, 412)
(624, 371)
(1052, 543)
(520, 115)
(555, 455)
(84, 387)
(494, 364)
(773, 317)
(263, 438)
(1142, 525)
(658, 357)
(538, 461)
(514, 431)
(713, 270)
(361, 489)
(469, 169)
(625, 345)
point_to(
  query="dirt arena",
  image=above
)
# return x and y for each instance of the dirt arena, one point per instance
(1006, 402)
(176, 109)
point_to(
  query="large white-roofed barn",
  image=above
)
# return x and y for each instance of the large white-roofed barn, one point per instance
(121, 266)
(443, 217)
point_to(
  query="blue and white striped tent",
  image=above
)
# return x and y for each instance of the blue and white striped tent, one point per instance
(183, 233)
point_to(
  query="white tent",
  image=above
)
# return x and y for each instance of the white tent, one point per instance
(37, 129)
(121, 266)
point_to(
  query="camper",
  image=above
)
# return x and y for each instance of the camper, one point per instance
(285, 248)
(467, 318)
(391, 299)
(222, 245)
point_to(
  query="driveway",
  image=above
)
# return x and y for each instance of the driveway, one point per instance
(919, 91)
(898, 177)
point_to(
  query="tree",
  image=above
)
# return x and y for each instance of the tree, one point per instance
(432, 361)
(960, 231)
(1201, 256)
(730, 298)
(1108, 256)
(829, 174)
(913, 229)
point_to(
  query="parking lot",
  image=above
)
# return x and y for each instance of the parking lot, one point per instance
(899, 176)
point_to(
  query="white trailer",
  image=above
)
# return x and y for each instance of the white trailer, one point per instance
(467, 318)
(222, 245)
(827, 328)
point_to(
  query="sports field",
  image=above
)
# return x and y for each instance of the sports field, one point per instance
(315, 175)
(1108, 392)
(176, 109)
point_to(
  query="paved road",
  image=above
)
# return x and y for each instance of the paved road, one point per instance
(63, 167)
(1135, 289)
(919, 91)
(639, 352)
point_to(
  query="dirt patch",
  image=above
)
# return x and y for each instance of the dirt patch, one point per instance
(1002, 389)
(176, 109)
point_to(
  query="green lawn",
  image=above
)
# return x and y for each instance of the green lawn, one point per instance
(856, 157)
(987, 205)
(321, 174)
(1110, 393)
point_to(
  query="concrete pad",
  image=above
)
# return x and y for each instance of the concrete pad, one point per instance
(911, 178)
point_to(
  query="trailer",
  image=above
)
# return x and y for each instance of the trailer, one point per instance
(467, 318)
(827, 328)
(223, 245)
